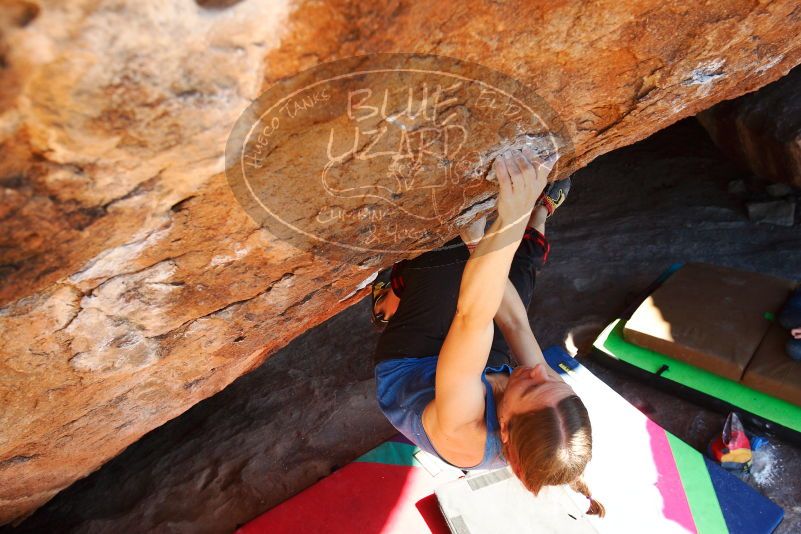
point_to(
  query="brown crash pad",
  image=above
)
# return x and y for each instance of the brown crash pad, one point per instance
(772, 371)
(709, 316)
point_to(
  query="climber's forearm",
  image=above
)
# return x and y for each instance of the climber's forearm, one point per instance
(512, 320)
(486, 273)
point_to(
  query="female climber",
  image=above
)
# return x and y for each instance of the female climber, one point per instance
(443, 369)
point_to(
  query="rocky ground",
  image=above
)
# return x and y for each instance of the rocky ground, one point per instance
(310, 407)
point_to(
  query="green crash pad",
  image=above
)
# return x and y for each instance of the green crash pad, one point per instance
(766, 411)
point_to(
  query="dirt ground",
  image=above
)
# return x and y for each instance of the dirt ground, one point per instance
(310, 408)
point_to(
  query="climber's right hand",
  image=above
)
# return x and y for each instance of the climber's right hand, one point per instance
(521, 178)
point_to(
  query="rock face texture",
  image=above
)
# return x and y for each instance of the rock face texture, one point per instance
(133, 283)
(762, 130)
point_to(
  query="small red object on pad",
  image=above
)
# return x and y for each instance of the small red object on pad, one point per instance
(732, 448)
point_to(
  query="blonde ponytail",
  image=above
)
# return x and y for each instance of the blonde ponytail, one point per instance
(596, 508)
(551, 447)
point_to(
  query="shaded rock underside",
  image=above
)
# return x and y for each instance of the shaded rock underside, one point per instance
(762, 130)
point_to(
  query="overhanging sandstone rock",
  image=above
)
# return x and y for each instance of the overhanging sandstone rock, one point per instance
(134, 285)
